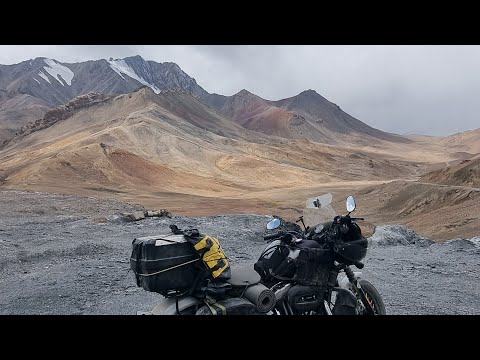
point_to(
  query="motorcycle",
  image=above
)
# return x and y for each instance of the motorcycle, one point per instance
(304, 267)
(297, 272)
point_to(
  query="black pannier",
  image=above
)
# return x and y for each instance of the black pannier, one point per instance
(164, 262)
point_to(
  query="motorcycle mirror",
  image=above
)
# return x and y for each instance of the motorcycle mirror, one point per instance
(275, 223)
(350, 203)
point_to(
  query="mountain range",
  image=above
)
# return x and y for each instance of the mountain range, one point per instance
(29, 89)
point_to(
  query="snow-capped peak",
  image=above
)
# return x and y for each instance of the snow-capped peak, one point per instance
(121, 67)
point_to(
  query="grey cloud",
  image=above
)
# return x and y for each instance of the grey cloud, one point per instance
(402, 89)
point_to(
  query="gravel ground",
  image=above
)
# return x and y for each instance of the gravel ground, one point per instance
(63, 254)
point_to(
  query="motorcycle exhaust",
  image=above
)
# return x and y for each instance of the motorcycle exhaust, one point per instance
(261, 296)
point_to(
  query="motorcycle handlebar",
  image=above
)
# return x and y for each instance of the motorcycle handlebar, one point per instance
(271, 236)
(345, 219)
(282, 235)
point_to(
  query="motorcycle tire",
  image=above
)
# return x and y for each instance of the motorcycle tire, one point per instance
(373, 297)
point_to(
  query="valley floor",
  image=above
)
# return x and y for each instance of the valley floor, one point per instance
(439, 212)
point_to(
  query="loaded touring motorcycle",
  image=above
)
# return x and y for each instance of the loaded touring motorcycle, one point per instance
(298, 272)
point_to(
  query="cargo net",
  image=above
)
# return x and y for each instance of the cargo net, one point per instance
(313, 267)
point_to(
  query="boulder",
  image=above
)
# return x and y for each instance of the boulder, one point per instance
(158, 213)
(397, 235)
(137, 215)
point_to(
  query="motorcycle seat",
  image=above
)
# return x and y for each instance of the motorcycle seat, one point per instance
(243, 276)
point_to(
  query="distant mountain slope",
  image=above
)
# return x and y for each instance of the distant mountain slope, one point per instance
(466, 173)
(305, 116)
(147, 143)
(467, 141)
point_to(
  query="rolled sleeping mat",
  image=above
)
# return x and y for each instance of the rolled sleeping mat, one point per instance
(260, 296)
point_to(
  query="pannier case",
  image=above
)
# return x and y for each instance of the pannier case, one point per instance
(163, 263)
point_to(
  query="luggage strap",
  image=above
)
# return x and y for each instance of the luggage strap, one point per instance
(213, 305)
(170, 268)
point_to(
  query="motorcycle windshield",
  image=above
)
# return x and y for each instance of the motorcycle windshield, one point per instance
(313, 215)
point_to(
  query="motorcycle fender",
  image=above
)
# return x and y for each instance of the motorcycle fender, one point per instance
(345, 298)
(168, 305)
(344, 283)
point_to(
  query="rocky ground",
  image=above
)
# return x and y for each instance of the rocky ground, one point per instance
(64, 254)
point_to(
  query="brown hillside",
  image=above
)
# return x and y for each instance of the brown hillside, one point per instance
(466, 173)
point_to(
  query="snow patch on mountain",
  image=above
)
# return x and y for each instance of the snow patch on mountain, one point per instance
(55, 69)
(42, 75)
(36, 80)
(121, 67)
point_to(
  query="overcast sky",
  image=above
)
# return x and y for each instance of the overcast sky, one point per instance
(403, 89)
